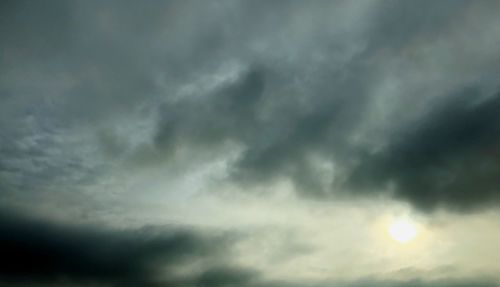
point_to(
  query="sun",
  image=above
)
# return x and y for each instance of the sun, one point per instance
(403, 230)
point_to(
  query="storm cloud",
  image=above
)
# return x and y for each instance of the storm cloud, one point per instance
(449, 157)
(36, 251)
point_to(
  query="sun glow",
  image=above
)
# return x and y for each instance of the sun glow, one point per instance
(403, 230)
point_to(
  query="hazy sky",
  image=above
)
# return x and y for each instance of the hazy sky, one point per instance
(250, 143)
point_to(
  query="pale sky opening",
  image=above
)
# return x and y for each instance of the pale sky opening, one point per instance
(403, 230)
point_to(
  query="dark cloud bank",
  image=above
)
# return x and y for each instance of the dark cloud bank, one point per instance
(450, 157)
(42, 252)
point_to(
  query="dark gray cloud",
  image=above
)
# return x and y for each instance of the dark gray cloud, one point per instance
(35, 251)
(449, 157)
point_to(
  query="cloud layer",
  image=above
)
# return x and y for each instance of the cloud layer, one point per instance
(363, 94)
(110, 110)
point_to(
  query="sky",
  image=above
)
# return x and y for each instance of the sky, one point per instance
(250, 143)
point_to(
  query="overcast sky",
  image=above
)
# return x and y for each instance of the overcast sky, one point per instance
(249, 143)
